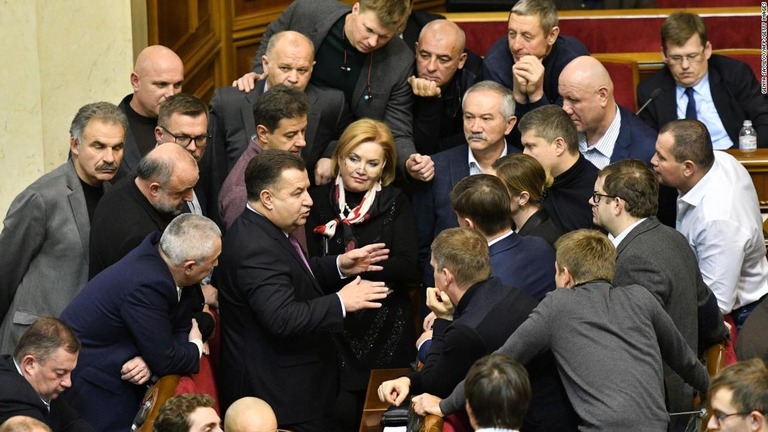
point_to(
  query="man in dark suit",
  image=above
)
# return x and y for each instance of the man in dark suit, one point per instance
(481, 202)
(183, 120)
(278, 308)
(142, 204)
(550, 137)
(607, 132)
(358, 52)
(723, 91)
(531, 56)
(488, 116)
(46, 231)
(289, 60)
(475, 314)
(134, 323)
(32, 380)
(658, 258)
(444, 72)
(158, 74)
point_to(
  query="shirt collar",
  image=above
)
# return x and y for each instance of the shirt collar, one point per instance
(606, 143)
(694, 196)
(498, 239)
(18, 368)
(474, 166)
(619, 238)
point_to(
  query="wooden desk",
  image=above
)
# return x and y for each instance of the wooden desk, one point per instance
(374, 408)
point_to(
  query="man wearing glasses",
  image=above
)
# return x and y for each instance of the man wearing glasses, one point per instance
(658, 258)
(738, 398)
(696, 84)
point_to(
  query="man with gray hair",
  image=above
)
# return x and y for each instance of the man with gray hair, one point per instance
(46, 231)
(134, 322)
(489, 114)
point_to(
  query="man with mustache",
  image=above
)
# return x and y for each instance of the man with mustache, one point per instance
(45, 236)
(140, 204)
(489, 114)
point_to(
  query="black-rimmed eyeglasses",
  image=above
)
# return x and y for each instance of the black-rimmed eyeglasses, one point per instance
(183, 140)
(596, 197)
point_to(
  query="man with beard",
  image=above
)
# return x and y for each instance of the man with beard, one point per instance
(141, 204)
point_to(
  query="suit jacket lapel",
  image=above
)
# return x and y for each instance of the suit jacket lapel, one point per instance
(79, 208)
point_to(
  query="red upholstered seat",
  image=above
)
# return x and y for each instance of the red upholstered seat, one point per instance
(625, 76)
(748, 56)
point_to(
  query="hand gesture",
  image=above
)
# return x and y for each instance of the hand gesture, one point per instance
(394, 391)
(135, 371)
(440, 304)
(424, 87)
(425, 404)
(247, 82)
(361, 294)
(362, 259)
(528, 76)
(323, 171)
(420, 167)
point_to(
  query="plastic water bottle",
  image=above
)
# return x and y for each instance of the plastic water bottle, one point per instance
(747, 137)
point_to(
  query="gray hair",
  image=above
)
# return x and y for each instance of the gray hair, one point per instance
(507, 108)
(103, 111)
(189, 237)
(545, 10)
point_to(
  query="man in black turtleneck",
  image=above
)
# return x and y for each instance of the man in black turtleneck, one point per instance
(44, 262)
(158, 74)
(550, 136)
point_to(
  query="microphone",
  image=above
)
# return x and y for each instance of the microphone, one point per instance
(654, 95)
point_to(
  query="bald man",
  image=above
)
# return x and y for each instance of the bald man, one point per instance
(141, 204)
(23, 424)
(250, 414)
(444, 72)
(158, 74)
(607, 132)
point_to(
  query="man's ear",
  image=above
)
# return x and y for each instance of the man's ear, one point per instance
(523, 198)
(189, 265)
(264, 62)
(134, 81)
(552, 36)
(158, 135)
(265, 197)
(73, 147)
(262, 133)
(568, 281)
(560, 146)
(462, 59)
(154, 188)
(447, 276)
(511, 121)
(603, 93)
(28, 363)
(689, 168)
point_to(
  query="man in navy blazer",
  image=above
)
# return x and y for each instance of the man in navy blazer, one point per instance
(607, 132)
(488, 116)
(481, 202)
(724, 91)
(133, 322)
(279, 308)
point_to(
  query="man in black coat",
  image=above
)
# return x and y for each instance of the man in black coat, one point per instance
(32, 380)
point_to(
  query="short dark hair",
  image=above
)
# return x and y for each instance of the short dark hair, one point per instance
(587, 254)
(635, 183)
(181, 103)
(102, 111)
(484, 199)
(44, 337)
(498, 391)
(692, 142)
(278, 103)
(680, 26)
(550, 122)
(265, 169)
(749, 382)
(174, 415)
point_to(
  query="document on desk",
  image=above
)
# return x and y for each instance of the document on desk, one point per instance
(395, 428)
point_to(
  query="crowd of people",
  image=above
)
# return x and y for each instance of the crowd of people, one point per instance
(572, 259)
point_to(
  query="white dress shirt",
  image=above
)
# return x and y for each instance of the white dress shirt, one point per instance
(720, 217)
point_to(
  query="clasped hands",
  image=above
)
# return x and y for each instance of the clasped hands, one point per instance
(395, 391)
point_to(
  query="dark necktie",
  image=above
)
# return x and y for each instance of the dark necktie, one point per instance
(690, 110)
(299, 251)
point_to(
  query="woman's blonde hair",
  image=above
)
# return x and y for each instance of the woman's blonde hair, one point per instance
(363, 131)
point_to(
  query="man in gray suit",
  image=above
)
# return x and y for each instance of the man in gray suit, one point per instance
(45, 238)
(658, 258)
(358, 52)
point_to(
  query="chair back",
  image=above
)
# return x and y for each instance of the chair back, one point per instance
(153, 400)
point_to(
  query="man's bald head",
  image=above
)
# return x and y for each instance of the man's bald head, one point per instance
(587, 92)
(166, 177)
(289, 59)
(250, 414)
(158, 74)
(440, 51)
